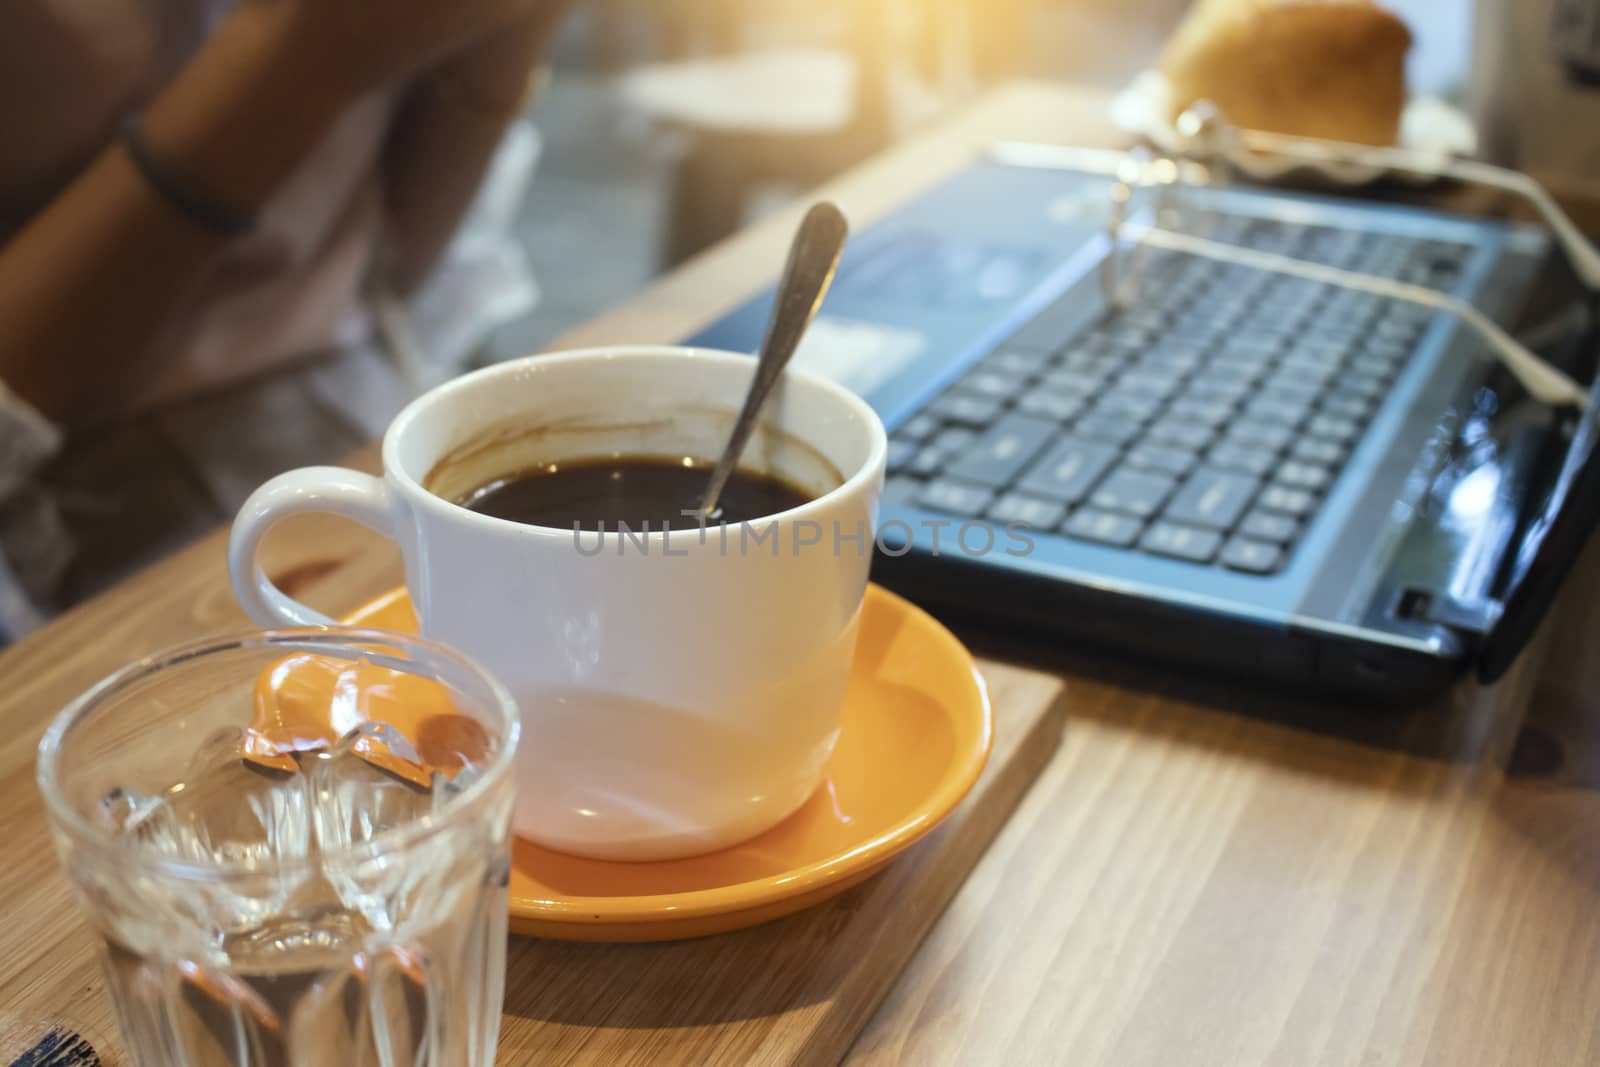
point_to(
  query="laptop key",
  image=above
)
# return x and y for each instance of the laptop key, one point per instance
(1315, 450)
(991, 384)
(964, 408)
(1281, 498)
(1162, 458)
(1375, 366)
(1100, 353)
(1269, 526)
(1103, 527)
(1237, 293)
(1145, 317)
(1133, 492)
(1015, 361)
(1230, 374)
(1210, 413)
(1172, 358)
(1053, 404)
(1133, 337)
(1200, 324)
(1086, 381)
(1258, 434)
(1256, 332)
(1333, 428)
(1286, 312)
(1068, 470)
(1302, 376)
(1034, 512)
(1181, 542)
(928, 462)
(1227, 391)
(1304, 476)
(1335, 329)
(1301, 293)
(1321, 350)
(1288, 383)
(1282, 317)
(1231, 457)
(1129, 336)
(1346, 406)
(999, 454)
(1212, 498)
(1388, 350)
(1145, 383)
(1252, 557)
(1231, 364)
(901, 452)
(1110, 428)
(1245, 350)
(1102, 347)
(1311, 358)
(955, 498)
(1278, 407)
(1172, 365)
(1356, 383)
(955, 439)
(1178, 433)
(918, 427)
(1136, 407)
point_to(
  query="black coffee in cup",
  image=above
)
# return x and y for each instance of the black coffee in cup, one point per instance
(611, 491)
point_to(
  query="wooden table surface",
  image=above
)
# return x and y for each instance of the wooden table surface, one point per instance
(1200, 876)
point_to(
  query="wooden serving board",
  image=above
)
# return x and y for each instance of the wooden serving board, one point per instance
(797, 990)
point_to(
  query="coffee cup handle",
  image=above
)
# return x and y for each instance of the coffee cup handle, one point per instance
(330, 490)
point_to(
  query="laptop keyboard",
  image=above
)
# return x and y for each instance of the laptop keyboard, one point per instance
(1206, 423)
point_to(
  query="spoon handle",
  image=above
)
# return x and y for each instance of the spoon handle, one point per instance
(813, 258)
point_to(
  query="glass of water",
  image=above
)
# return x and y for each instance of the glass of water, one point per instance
(295, 845)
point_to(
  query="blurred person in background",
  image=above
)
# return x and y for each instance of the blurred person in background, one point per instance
(197, 200)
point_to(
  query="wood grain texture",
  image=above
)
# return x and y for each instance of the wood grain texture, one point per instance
(1207, 879)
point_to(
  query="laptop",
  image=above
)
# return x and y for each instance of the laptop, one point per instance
(1237, 470)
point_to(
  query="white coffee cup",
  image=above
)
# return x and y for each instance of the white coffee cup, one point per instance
(681, 691)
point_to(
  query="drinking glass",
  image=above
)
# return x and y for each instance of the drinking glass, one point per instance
(295, 846)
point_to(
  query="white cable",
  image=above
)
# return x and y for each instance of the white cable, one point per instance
(1580, 252)
(1543, 381)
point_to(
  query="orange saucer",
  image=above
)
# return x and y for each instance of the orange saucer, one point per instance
(917, 729)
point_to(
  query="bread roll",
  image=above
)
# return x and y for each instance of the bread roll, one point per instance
(1333, 69)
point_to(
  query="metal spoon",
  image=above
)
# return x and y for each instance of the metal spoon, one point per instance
(813, 257)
